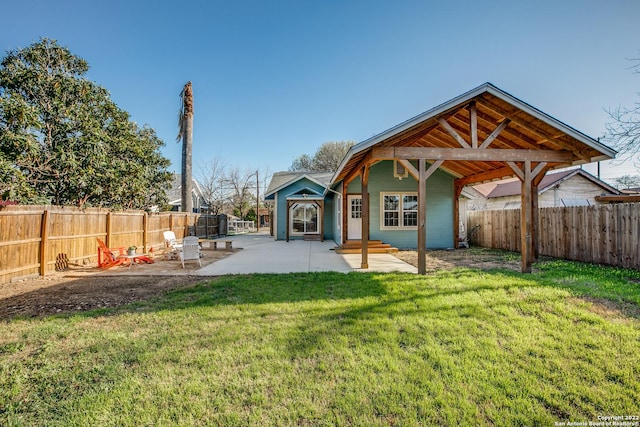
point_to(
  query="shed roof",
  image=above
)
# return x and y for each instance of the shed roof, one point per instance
(506, 122)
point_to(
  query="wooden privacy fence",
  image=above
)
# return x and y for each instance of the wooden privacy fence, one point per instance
(602, 234)
(36, 239)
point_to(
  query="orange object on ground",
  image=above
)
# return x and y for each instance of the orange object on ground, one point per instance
(144, 258)
(107, 257)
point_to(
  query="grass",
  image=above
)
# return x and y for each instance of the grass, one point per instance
(463, 347)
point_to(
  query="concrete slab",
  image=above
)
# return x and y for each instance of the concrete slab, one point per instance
(261, 254)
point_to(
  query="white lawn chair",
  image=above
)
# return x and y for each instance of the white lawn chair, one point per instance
(190, 250)
(171, 242)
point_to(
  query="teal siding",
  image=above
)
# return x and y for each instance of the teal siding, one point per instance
(328, 216)
(439, 207)
(296, 188)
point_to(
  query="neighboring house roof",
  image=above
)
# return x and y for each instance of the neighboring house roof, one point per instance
(281, 180)
(513, 188)
(634, 190)
(471, 193)
(520, 126)
(174, 194)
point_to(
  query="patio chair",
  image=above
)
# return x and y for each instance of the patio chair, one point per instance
(190, 250)
(108, 257)
(170, 242)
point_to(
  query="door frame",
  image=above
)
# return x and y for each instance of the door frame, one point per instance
(354, 225)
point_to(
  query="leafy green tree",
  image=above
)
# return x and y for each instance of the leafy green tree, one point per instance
(326, 159)
(63, 141)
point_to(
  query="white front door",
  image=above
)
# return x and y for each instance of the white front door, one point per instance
(354, 217)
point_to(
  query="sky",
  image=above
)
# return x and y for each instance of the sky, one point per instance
(275, 79)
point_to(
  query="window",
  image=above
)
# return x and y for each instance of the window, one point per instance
(356, 208)
(304, 218)
(399, 211)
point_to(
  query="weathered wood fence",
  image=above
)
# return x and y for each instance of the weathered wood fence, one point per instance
(34, 238)
(603, 234)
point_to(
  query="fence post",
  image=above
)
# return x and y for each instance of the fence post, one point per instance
(145, 231)
(44, 242)
(108, 230)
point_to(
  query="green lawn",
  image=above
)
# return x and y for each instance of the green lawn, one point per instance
(463, 347)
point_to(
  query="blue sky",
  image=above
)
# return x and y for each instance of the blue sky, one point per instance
(275, 79)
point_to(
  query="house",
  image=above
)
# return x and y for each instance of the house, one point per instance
(299, 200)
(572, 187)
(174, 195)
(402, 186)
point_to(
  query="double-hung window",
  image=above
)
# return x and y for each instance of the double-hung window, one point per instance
(399, 211)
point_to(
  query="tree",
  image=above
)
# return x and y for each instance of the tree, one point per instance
(212, 183)
(242, 197)
(624, 131)
(627, 181)
(63, 141)
(326, 159)
(186, 135)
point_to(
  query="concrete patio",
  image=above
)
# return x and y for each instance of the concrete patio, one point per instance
(261, 254)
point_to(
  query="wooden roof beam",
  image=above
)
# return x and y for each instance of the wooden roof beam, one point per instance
(453, 133)
(485, 176)
(470, 154)
(473, 124)
(494, 134)
(542, 134)
(358, 169)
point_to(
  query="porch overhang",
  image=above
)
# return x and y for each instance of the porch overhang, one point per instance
(483, 135)
(490, 124)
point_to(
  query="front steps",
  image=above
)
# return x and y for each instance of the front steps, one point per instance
(374, 247)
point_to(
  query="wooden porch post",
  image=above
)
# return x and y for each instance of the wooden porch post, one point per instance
(526, 221)
(345, 220)
(286, 226)
(321, 219)
(422, 217)
(535, 223)
(365, 217)
(537, 175)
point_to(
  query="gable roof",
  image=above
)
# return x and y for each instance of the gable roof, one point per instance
(174, 194)
(526, 128)
(513, 188)
(281, 180)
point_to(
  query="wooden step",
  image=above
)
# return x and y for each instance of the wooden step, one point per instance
(358, 243)
(312, 237)
(389, 250)
(374, 247)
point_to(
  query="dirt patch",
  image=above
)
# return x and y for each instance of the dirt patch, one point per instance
(615, 310)
(472, 258)
(82, 288)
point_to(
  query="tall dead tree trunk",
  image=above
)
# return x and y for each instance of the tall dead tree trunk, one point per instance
(186, 135)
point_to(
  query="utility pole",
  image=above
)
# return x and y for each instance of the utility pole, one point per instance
(257, 201)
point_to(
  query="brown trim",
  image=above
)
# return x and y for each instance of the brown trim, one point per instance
(365, 217)
(470, 154)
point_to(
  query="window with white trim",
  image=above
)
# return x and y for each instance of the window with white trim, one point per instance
(304, 218)
(399, 211)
